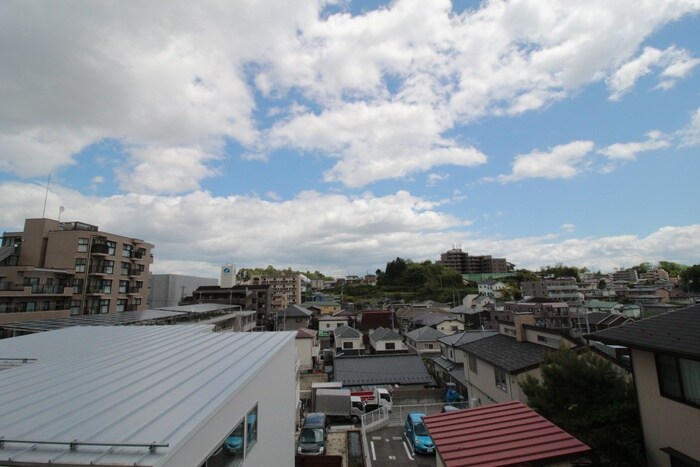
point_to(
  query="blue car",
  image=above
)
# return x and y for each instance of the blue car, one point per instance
(417, 434)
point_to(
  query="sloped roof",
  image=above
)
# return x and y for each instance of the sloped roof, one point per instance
(294, 311)
(464, 337)
(500, 434)
(425, 334)
(346, 332)
(306, 333)
(384, 334)
(506, 353)
(433, 318)
(381, 369)
(122, 384)
(675, 332)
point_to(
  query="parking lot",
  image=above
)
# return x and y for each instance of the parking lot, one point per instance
(388, 446)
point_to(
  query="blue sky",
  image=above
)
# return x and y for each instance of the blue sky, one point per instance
(339, 135)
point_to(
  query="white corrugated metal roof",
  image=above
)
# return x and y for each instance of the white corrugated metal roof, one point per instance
(125, 384)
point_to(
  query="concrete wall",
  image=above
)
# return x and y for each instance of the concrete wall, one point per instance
(273, 389)
(666, 423)
(169, 289)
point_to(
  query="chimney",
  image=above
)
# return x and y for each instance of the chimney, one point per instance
(518, 320)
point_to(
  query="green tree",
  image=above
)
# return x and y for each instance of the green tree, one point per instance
(559, 270)
(691, 278)
(584, 395)
(673, 269)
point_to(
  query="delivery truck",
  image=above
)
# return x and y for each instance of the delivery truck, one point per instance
(338, 404)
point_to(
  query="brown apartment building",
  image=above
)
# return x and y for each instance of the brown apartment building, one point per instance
(56, 269)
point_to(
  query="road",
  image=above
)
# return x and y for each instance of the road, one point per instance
(388, 447)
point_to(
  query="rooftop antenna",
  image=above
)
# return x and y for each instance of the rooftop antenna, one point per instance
(43, 213)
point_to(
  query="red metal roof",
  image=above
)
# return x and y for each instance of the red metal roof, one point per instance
(499, 435)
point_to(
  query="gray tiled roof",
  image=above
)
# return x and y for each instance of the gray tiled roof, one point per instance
(464, 337)
(346, 332)
(425, 334)
(506, 353)
(432, 318)
(384, 334)
(381, 369)
(676, 331)
(294, 311)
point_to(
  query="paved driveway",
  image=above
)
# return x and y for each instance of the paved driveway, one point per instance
(388, 447)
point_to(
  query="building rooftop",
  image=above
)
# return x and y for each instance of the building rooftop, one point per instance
(381, 369)
(294, 311)
(506, 353)
(384, 334)
(121, 385)
(500, 434)
(346, 332)
(425, 334)
(464, 337)
(675, 332)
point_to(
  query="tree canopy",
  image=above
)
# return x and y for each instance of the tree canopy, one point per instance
(584, 395)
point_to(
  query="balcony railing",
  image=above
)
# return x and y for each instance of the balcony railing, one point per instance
(101, 269)
(134, 272)
(48, 289)
(99, 249)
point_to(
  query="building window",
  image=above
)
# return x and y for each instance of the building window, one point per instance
(104, 306)
(121, 305)
(30, 306)
(126, 250)
(80, 264)
(472, 364)
(347, 345)
(501, 379)
(77, 286)
(106, 286)
(108, 266)
(390, 346)
(679, 378)
(123, 286)
(83, 245)
(125, 269)
(111, 248)
(74, 307)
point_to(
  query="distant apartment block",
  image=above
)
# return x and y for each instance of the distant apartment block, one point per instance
(286, 289)
(248, 297)
(626, 275)
(171, 289)
(463, 263)
(564, 289)
(57, 269)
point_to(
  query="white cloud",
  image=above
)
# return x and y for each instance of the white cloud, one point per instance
(568, 227)
(336, 234)
(434, 178)
(178, 75)
(628, 151)
(563, 161)
(375, 142)
(690, 135)
(676, 64)
(165, 170)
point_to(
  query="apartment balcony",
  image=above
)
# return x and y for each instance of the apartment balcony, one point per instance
(134, 272)
(10, 289)
(99, 249)
(101, 270)
(133, 290)
(131, 307)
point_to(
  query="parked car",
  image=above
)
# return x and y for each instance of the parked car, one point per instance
(417, 434)
(312, 437)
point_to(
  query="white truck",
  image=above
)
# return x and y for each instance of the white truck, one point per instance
(338, 403)
(373, 398)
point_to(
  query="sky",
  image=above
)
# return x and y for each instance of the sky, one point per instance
(339, 135)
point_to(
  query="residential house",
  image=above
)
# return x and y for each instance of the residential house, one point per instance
(665, 357)
(308, 348)
(448, 367)
(509, 433)
(496, 365)
(648, 294)
(446, 323)
(149, 395)
(491, 288)
(384, 340)
(424, 340)
(370, 320)
(598, 320)
(293, 317)
(348, 341)
(323, 308)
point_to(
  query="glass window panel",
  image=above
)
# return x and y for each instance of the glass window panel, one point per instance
(669, 382)
(690, 377)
